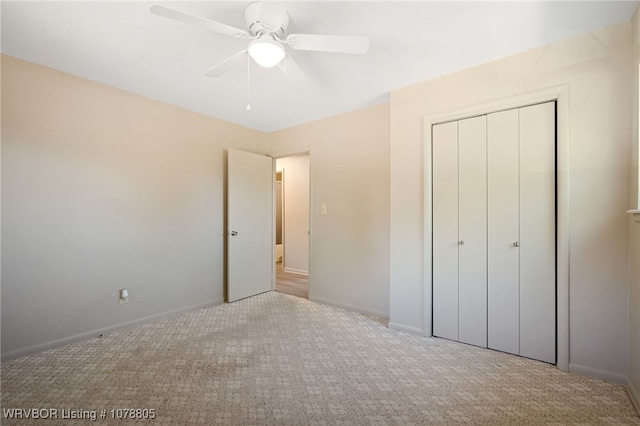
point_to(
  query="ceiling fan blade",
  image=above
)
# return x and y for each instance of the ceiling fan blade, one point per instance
(200, 21)
(228, 64)
(328, 43)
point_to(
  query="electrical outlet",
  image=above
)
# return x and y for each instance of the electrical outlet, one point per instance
(123, 296)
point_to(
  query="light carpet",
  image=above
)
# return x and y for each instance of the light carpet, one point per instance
(276, 359)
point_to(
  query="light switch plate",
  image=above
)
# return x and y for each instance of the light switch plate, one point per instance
(123, 296)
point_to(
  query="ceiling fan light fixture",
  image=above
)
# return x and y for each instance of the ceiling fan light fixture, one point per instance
(266, 51)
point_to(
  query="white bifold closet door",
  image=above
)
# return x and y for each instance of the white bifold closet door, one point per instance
(445, 230)
(494, 270)
(503, 205)
(538, 232)
(460, 238)
(521, 231)
(472, 228)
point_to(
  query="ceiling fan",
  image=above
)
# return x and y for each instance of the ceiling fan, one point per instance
(268, 37)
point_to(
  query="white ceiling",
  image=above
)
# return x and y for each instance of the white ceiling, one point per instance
(122, 45)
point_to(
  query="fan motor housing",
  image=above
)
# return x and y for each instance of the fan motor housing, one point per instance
(260, 21)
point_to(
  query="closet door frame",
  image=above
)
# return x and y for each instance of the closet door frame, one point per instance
(559, 94)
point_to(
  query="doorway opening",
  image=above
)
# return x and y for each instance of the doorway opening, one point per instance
(292, 225)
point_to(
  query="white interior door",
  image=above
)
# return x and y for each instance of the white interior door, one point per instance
(445, 230)
(537, 233)
(472, 218)
(503, 298)
(249, 224)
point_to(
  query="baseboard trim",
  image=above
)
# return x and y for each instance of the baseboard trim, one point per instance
(110, 329)
(634, 395)
(348, 307)
(406, 328)
(598, 374)
(296, 271)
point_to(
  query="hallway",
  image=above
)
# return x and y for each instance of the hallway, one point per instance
(293, 284)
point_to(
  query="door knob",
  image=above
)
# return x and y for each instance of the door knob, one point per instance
(460, 242)
(234, 233)
(516, 244)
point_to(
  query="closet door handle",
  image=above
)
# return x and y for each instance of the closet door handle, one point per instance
(460, 243)
(516, 244)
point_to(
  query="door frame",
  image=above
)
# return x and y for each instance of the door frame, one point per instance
(559, 94)
(283, 154)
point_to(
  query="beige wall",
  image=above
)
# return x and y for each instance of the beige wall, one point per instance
(349, 157)
(595, 67)
(634, 244)
(102, 190)
(296, 212)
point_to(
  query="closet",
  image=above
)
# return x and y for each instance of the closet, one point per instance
(494, 231)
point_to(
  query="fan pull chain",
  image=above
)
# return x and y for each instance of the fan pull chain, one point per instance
(248, 81)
